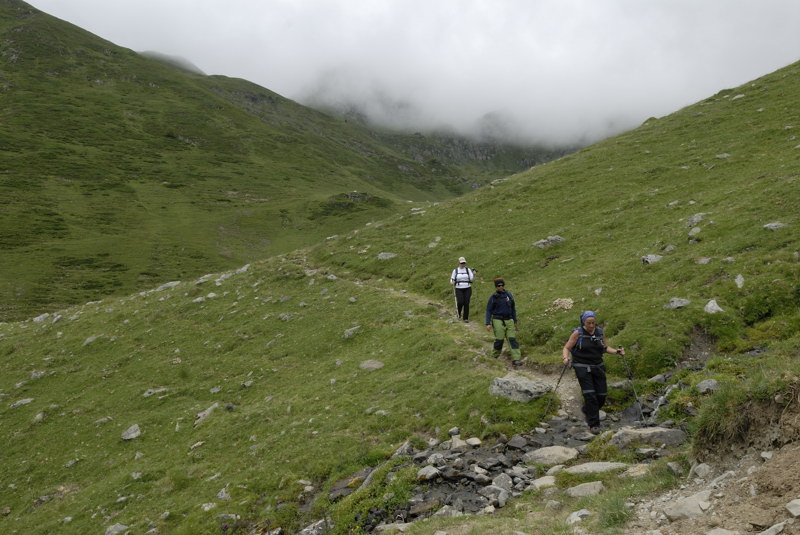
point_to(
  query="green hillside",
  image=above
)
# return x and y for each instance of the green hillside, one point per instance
(118, 172)
(251, 381)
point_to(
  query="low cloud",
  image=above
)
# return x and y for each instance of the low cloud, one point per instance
(539, 70)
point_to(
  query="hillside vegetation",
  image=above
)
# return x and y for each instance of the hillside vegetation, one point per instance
(119, 172)
(251, 382)
(209, 404)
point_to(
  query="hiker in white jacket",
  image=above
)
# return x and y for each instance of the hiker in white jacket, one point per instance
(461, 279)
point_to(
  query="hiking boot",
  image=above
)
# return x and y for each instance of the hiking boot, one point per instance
(517, 363)
(594, 430)
(466, 321)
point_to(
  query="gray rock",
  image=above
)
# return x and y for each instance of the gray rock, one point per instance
(202, 415)
(712, 307)
(708, 385)
(677, 302)
(701, 470)
(689, 507)
(774, 530)
(428, 473)
(695, 220)
(594, 468)
(655, 436)
(348, 333)
(371, 365)
(320, 527)
(774, 226)
(517, 442)
(518, 388)
(167, 286)
(497, 496)
(551, 240)
(503, 481)
(544, 482)
(132, 432)
(651, 258)
(577, 516)
(593, 488)
(21, 402)
(551, 455)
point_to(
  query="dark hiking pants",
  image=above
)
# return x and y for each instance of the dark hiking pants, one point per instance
(463, 295)
(592, 379)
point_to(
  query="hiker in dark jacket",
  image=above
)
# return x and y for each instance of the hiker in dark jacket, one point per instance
(501, 317)
(587, 345)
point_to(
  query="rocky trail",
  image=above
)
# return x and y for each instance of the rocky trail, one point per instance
(738, 489)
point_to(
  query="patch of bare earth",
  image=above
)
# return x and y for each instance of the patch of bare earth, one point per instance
(750, 485)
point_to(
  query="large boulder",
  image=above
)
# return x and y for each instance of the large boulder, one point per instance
(517, 387)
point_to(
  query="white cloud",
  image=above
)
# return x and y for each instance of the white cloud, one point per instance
(561, 69)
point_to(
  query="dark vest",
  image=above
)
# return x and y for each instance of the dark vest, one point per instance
(589, 348)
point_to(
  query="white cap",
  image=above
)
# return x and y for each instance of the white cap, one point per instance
(462, 260)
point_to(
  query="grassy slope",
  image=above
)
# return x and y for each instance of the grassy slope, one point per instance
(269, 344)
(614, 202)
(118, 172)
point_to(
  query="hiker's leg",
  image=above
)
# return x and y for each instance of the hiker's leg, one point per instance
(459, 300)
(590, 403)
(467, 297)
(499, 336)
(511, 334)
(600, 385)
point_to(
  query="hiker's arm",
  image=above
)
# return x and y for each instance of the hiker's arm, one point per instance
(611, 350)
(565, 351)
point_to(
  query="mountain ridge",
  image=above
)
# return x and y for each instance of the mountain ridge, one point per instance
(104, 146)
(211, 403)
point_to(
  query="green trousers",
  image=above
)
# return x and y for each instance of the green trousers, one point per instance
(505, 329)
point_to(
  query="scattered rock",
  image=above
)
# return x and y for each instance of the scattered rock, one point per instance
(132, 432)
(677, 302)
(349, 333)
(689, 507)
(549, 241)
(202, 415)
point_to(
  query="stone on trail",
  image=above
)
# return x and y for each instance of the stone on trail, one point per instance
(518, 388)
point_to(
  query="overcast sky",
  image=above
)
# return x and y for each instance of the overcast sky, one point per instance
(553, 70)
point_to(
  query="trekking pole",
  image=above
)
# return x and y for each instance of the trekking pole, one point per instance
(550, 402)
(633, 384)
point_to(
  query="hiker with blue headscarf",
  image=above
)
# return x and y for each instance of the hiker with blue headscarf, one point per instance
(585, 349)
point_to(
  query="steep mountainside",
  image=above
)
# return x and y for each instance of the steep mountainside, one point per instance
(118, 171)
(236, 402)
